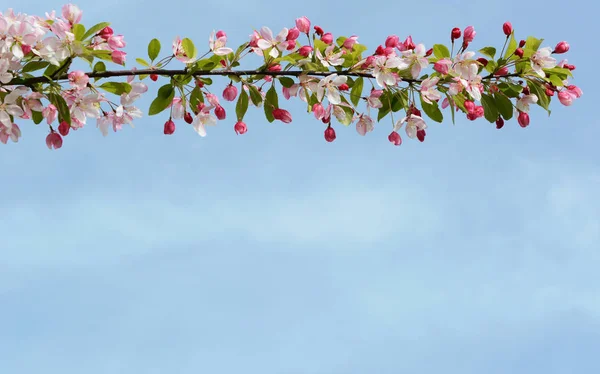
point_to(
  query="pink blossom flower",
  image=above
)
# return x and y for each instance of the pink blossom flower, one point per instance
(71, 13)
(382, 70)
(330, 58)
(116, 41)
(216, 43)
(542, 60)
(240, 128)
(415, 60)
(319, 111)
(137, 89)
(330, 86)
(373, 100)
(429, 90)
(468, 35)
(9, 107)
(364, 125)
(413, 124)
(524, 102)
(305, 51)
(201, 121)
(349, 43)
(78, 79)
(276, 44)
(49, 113)
(303, 24)
(13, 133)
(177, 109)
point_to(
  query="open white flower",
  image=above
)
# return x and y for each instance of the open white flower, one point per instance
(523, 103)
(330, 85)
(413, 122)
(542, 60)
(382, 72)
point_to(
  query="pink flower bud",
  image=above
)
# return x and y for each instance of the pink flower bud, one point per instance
(276, 67)
(282, 115)
(169, 127)
(483, 61)
(349, 43)
(570, 67)
(442, 66)
(408, 43)
(240, 128)
(549, 91)
(392, 41)
(507, 28)
(116, 42)
(499, 123)
(415, 111)
(303, 25)
(118, 57)
(455, 34)
(501, 72)
(318, 110)
(230, 92)
(50, 113)
(368, 62)
(26, 49)
(565, 98)
(575, 90)
(187, 117)
(519, 52)
(523, 119)
(305, 51)
(445, 103)
(220, 113)
(64, 128)
(293, 33)
(380, 51)
(469, 34)
(220, 34)
(319, 30)
(106, 33)
(343, 87)
(395, 138)
(429, 52)
(561, 47)
(154, 77)
(291, 44)
(469, 106)
(53, 140)
(421, 135)
(329, 134)
(526, 90)
(327, 38)
(522, 43)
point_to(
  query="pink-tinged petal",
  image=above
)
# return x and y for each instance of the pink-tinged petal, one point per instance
(266, 33)
(223, 51)
(263, 44)
(15, 110)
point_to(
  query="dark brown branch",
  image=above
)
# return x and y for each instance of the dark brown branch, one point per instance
(199, 73)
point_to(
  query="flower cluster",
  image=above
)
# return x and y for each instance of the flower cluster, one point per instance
(304, 61)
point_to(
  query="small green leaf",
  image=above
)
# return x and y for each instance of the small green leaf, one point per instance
(489, 108)
(540, 92)
(562, 73)
(488, 51)
(271, 102)
(95, 29)
(34, 65)
(37, 117)
(286, 82)
(142, 62)
(189, 48)
(242, 105)
(102, 54)
(153, 49)
(504, 105)
(556, 81)
(196, 97)
(441, 51)
(61, 105)
(118, 88)
(452, 109)
(255, 96)
(356, 91)
(533, 44)
(512, 46)
(385, 108)
(78, 31)
(163, 99)
(399, 101)
(432, 110)
(511, 90)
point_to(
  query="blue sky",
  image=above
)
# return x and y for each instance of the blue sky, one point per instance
(276, 252)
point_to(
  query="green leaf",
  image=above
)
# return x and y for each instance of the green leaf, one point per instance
(118, 88)
(512, 46)
(555, 80)
(348, 115)
(488, 51)
(441, 51)
(432, 110)
(242, 105)
(504, 105)
(163, 99)
(78, 31)
(356, 91)
(95, 29)
(540, 92)
(153, 49)
(399, 101)
(489, 108)
(385, 108)
(286, 82)
(255, 96)
(562, 73)
(533, 44)
(142, 62)
(35, 65)
(61, 105)
(189, 48)
(37, 117)
(271, 102)
(102, 55)
(511, 90)
(196, 97)
(452, 109)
